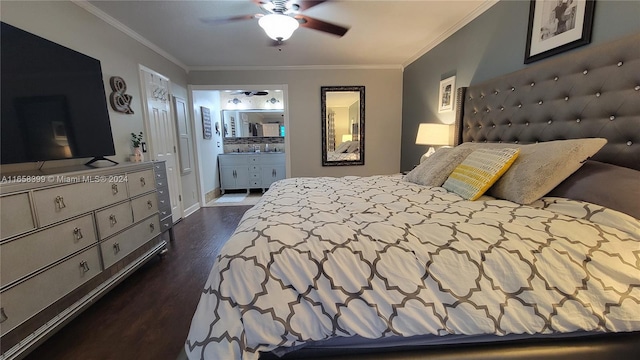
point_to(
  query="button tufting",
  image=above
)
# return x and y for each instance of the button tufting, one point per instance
(488, 110)
(619, 63)
(501, 108)
(526, 124)
(636, 88)
(509, 124)
(585, 72)
(493, 126)
(533, 84)
(513, 89)
(566, 98)
(597, 94)
(629, 143)
(516, 141)
(540, 102)
(577, 120)
(555, 78)
(612, 117)
(519, 105)
(549, 122)
(495, 93)
(481, 96)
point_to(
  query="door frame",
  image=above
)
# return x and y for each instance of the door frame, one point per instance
(197, 147)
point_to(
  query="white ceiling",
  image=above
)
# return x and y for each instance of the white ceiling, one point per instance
(382, 33)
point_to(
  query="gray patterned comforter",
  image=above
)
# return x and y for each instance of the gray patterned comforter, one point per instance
(377, 256)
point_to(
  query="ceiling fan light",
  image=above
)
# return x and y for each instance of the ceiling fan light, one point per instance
(277, 26)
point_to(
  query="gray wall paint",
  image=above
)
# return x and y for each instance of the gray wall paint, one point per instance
(383, 101)
(491, 45)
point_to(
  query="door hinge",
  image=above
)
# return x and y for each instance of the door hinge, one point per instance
(179, 197)
(174, 149)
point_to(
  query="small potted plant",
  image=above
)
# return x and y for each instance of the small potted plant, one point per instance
(136, 141)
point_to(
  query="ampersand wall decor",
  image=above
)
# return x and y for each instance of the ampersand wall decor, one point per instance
(120, 101)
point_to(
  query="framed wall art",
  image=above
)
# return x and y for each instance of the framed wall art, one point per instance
(446, 94)
(556, 26)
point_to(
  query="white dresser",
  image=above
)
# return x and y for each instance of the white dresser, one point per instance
(67, 238)
(250, 170)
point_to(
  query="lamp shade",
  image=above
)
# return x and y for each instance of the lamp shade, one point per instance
(433, 134)
(277, 26)
(347, 137)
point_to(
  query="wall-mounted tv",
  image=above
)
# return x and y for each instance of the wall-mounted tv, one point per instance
(53, 101)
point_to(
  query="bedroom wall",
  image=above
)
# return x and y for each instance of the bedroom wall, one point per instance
(383, 100)
(68, 24)
(493, 44)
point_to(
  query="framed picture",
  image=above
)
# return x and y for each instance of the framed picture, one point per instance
(206, 122)
(556, 26)
(445, 96)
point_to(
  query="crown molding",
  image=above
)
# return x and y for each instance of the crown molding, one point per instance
(484, 6)
(128, 31)
(297, 67)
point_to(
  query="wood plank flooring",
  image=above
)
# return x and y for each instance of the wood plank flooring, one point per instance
(148, 315)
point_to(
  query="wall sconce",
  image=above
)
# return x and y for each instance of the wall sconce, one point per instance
(235, 101)
(432, 134)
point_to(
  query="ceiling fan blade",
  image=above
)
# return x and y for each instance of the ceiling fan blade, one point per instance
(320, 25)
(219, 21)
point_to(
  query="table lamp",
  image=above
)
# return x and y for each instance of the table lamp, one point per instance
(432, 134)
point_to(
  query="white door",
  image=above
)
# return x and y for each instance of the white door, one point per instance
(161, 133)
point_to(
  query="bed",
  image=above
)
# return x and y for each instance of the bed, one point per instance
(371, 264)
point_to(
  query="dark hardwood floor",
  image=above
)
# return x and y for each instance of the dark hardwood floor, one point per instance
(148, 315)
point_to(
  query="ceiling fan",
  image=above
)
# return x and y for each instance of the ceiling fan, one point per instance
(282, 18)
(251, 93)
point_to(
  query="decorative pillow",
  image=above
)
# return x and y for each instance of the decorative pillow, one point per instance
(611, 186)
(437, 167)
(540, 167)
(481, 169)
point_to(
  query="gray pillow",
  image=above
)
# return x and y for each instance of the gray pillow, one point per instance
(437, 167)
(540, 167)
(611, 186)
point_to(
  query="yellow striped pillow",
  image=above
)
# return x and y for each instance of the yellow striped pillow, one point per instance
(481, 169)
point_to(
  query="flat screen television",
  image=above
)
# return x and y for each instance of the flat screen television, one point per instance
(53, 101)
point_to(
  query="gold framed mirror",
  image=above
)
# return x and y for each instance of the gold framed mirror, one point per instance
(342, 111)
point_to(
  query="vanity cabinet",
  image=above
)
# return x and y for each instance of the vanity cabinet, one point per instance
(250, 170)
(70, 237)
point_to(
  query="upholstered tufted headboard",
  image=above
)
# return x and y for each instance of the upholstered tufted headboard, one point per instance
(589, 93)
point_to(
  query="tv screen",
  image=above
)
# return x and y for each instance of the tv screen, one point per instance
(53, 101)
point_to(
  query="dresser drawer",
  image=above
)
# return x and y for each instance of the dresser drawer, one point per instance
(233, 159)
(62, 202)
(140, 182)
(166, 224)
(22, 301)
(15, 215)
(123, 244)
(113, 219)
(23, 256)
(144, 206)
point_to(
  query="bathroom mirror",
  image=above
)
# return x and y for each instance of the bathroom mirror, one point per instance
(342, 111)
(250, 123)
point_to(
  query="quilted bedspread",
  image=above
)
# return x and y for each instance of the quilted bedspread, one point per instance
(378, 256)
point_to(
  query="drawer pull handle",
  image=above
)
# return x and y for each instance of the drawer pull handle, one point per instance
(3, 316)
(85, 266)
(149, 204)
(152, 227)
(116, 248)
(143, 182)
(60, 202)
(161, 192)
(114, 188)
(112, 219)
(77, 233)
(160, 184)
